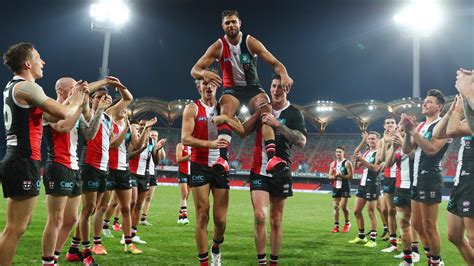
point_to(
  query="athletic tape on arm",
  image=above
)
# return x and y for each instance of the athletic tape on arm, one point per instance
(34, 93)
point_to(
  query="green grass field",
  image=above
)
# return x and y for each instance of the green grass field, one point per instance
(307, 239)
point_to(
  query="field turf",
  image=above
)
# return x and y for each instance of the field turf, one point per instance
(307, 239)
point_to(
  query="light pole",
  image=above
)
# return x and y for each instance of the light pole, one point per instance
(420, 18)
(416, 66)
(108, 16)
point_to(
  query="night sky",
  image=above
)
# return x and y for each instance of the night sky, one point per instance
(336, 50)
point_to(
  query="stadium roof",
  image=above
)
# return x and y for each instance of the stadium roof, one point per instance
(368, 111)
(411, 106)
(324, 112)
(318, 113)
(167, 111)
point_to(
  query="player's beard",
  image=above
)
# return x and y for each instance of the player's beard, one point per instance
(233, 35)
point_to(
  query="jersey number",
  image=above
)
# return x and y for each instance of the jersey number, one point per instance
(7, 112)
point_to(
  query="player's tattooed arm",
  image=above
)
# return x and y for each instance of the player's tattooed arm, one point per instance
(293, 136)
(90, 129)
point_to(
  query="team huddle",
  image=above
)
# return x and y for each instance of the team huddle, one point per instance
(115, 174)
(402, 178)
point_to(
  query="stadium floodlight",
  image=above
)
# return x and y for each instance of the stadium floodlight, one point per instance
(420, 18)
(108, 16)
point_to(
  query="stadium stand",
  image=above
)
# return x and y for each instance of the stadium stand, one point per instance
(318, 153)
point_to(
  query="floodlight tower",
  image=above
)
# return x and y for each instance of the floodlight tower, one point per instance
(108, 16)
(420, 18)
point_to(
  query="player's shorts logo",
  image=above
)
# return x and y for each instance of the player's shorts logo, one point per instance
(26, 185)
(66, 185)
(51, 184)
(93, 184)
(257, 183)
(197, 178)
(466, 203)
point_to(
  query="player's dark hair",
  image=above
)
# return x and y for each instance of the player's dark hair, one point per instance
(388, 117)
(101, 89)
(438, 95)
(230, 12)
(16, 55)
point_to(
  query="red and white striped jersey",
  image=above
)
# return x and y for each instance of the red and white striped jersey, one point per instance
(118, 156)
(339, 167)
(185, 167)
(238, 65)
(390, 172)
(206, 130)
(137, 164)
(62, 147)
(368, 175)
(402, 162)
(423, 163)
(97, 153)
